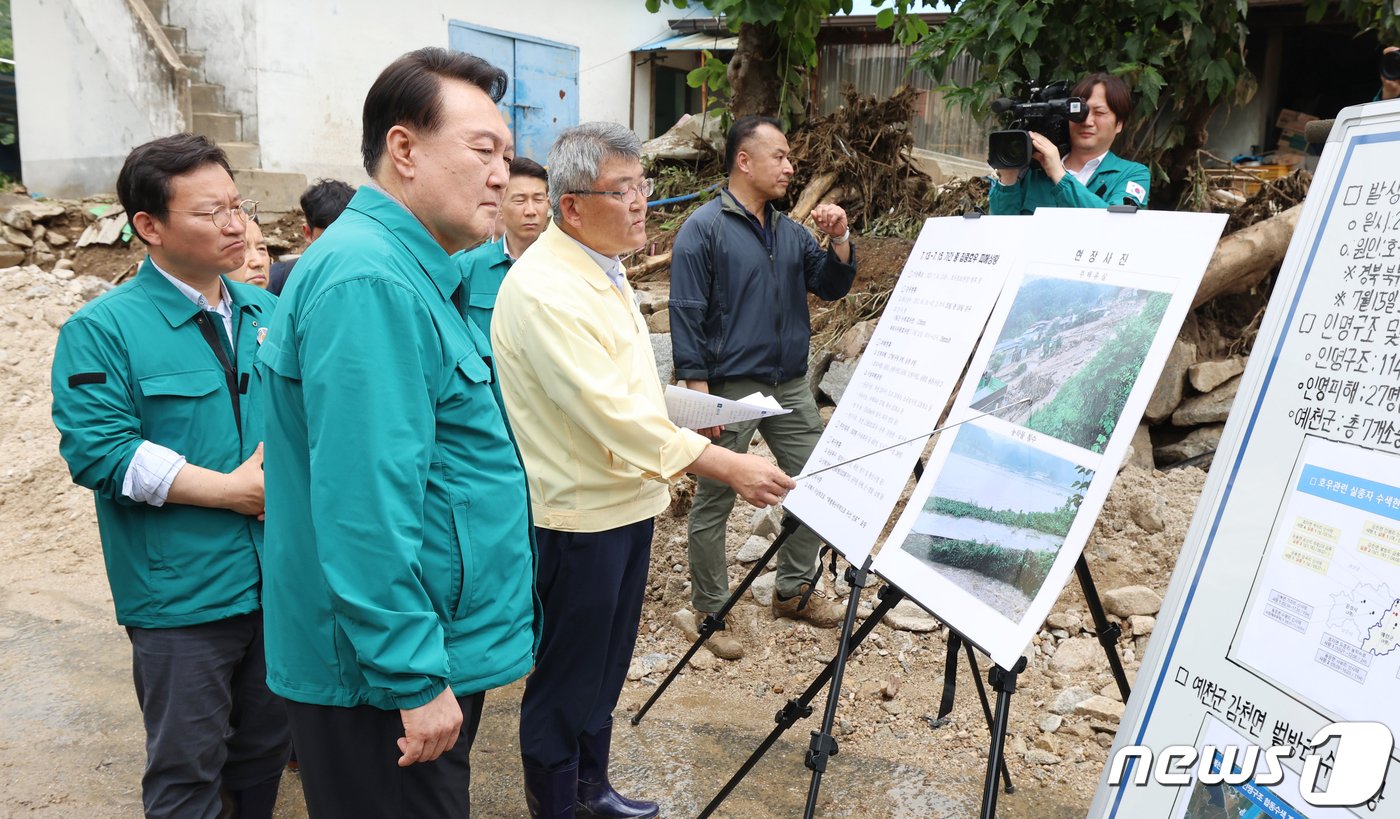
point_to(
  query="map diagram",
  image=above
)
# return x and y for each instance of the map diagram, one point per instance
(1369, 615)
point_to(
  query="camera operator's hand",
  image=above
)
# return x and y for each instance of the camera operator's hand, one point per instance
(1390, 89)
(1045, 152)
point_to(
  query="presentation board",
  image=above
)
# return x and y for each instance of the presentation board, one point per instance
(1283, 612)
(1071, 354)
(911, 365)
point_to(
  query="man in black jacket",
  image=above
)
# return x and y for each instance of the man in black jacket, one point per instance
(740, 274)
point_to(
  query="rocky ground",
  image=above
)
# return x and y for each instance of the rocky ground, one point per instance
(70, 737)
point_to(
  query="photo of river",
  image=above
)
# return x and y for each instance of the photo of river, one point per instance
(997, 517)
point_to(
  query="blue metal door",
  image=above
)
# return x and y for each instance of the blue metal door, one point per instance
(542, 97)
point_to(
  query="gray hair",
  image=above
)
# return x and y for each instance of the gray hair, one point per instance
(579, 153)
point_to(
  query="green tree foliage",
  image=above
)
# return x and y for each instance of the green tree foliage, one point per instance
(1183, 57)
(1084, 411)
(1054, 523)
(778, 47)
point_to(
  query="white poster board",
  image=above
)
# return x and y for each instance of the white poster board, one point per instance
(1268, 623)
(929, 326)
(994, 528)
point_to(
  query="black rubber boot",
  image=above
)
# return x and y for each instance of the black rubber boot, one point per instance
(596, 797)
(549, 794)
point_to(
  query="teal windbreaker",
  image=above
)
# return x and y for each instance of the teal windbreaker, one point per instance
(1117, 181)
(132, 366)
(399, 556)
(483, 269)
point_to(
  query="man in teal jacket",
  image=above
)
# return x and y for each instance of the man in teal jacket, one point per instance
(399, 564)
(160, 412)
(524, 213)
(1090, 175)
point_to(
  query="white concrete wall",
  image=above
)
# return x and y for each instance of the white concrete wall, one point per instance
(225, 32)
(316, 61)
(90, 87)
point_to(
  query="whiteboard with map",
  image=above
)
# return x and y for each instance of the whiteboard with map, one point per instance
(1323, 620)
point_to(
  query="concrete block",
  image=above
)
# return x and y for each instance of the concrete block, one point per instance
(157, 8)
(243, 154)
(220, 127)
(206, 98)
(194, 62)
(176, 36)
(275, 192)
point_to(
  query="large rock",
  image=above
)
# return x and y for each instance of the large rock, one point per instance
(838, 378)
(1078, 654)
(18, 238)
(1200, 441)
(762, 588)
(1130, 600)
(1211, 408)
(907, 616)
(659, 322)
(817, 362)
(752, 549)
(651, 301)
(10, 255)
(1207, 375)
(1069, 699)
(854, 340)
(661, 348)
(36, 211)
(1099, 707)
(767, 522)
(1148, 511)
(1167, 395)
(1142, 449)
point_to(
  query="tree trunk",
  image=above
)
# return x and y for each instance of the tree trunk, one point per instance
(754, 74)
(1245, 257)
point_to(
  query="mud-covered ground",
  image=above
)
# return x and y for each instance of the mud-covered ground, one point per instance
(71, 743)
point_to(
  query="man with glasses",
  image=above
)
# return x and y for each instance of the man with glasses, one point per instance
(740, 275)
(160, 411)
(580, 386)
(523, 214)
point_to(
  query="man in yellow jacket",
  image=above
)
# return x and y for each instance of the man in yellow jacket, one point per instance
(580, 386)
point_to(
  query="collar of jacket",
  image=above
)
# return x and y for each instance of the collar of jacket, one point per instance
(728, 202)
(1111, 163)
(566, 249)
(410, 232)
(174, 305)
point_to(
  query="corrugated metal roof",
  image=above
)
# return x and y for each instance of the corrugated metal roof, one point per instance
(693, 42)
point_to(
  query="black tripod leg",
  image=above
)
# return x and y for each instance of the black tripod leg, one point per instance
(715, 621)
(1004, 683)
(801, 706)
(823, 745)
(986, 708)
(1108, 632)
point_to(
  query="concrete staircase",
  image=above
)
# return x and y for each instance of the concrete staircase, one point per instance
(277, 192)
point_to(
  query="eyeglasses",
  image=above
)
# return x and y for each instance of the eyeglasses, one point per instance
(247, 211)
(628, 195)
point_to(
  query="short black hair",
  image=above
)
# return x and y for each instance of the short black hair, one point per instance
(740, 132)
(323, 202)
(525, 166)
(144, 181)
(409, 92)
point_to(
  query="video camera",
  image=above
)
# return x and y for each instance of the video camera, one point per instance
(1390, 65)
(1048, 112)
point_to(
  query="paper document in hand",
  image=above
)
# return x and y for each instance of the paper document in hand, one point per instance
(696, 410)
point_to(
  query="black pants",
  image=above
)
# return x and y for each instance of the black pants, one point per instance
(591, 586)
(211, 722)
(349, 760)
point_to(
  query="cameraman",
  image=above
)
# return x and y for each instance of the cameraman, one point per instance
(1090, 176)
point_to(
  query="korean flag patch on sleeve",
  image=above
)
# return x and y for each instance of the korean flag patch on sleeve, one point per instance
(1137, 192)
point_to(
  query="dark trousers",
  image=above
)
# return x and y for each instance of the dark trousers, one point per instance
(591, 586)
(211, 722)
(349, 760)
